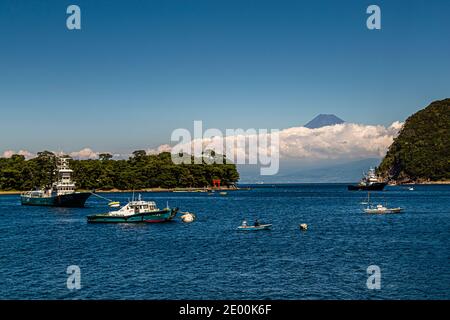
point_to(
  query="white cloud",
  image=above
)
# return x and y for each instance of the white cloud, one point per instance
(396, 126)
(347, 140)
(25, 153)
(341, 141)
(86, 153)
(8, 154)
(161, 148)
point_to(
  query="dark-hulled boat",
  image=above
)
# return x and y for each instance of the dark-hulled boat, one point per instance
(377, 186)
(370, 182)
(61, 194)
(38, 198)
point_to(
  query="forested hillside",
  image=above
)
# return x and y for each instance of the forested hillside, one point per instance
(421, 151)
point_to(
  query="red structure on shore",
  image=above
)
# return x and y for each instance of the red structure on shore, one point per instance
(216, 183)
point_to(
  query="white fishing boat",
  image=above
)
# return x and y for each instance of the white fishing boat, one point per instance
(378, 208)
(382, 209)
(61, 193)
(136, 211)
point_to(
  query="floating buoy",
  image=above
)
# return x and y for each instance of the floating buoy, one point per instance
(114, 204)
(188, 217)
(303, 226)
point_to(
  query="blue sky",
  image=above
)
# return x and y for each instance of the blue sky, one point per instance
(139, 69)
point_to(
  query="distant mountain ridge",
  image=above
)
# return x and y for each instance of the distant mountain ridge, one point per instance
(323, 120)
(349, 171)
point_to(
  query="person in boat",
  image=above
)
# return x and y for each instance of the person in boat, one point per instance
(244, 223)
(257, 224)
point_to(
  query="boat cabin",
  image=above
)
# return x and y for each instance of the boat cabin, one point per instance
(64, 184)
(139, 207)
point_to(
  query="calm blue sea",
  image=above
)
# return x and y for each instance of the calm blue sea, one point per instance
(209, 259)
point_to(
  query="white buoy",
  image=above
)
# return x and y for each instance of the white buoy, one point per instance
(303, 226)
(188, 217)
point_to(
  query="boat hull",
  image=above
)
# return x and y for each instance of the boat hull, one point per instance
(152, 217)
(377, 186)
(73, 200)
(375, 211)
(165, 215)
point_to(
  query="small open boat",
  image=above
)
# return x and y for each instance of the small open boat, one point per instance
(255, 228)
(381, 209)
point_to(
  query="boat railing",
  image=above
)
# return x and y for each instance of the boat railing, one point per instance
(33, 194)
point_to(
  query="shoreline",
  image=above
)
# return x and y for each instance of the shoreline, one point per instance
(445, 182)
(168, 190)
(16, 192)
